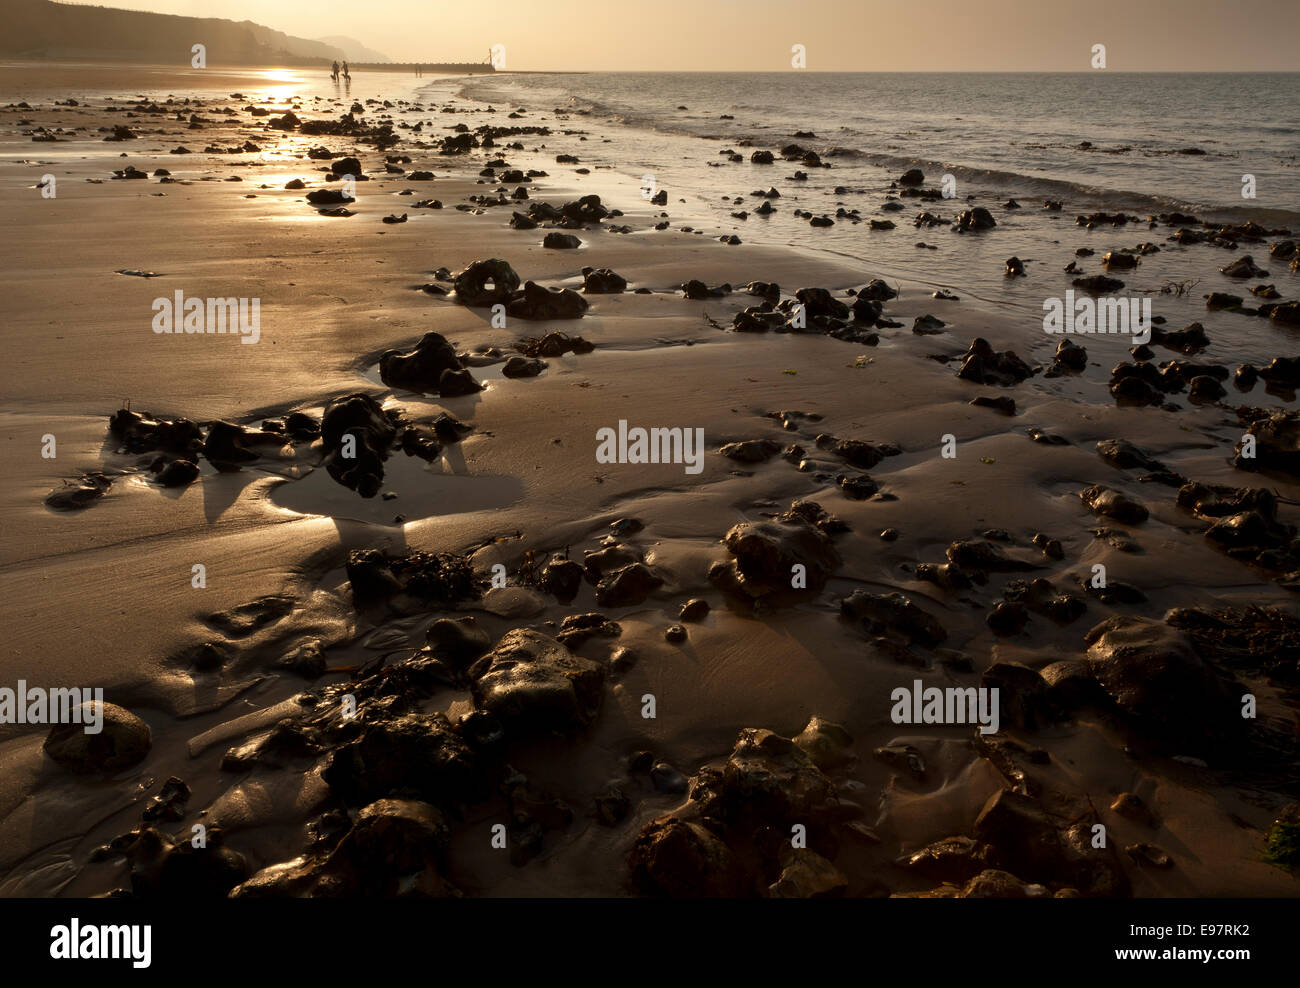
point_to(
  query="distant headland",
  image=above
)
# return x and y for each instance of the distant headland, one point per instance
(44, 29)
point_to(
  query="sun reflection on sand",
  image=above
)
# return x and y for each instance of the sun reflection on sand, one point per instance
(288, 80)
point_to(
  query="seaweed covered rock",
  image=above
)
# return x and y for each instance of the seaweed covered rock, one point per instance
(1167, 692)
(892, 615)
(1024, 839)
(412, 753)
(732, 838)
(684, 859)
(162, 867)
(421, 577)
(554, 344)
(73, 495)
(1108, 503)
(807, 875)
(395, 848)
(531, 683)
(776, 561)
(627, 586)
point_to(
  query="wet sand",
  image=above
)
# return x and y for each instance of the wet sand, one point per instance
(103, 596)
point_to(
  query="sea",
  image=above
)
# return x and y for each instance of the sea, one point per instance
(1220, 147)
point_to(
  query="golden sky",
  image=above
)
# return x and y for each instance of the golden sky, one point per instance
(757, 35)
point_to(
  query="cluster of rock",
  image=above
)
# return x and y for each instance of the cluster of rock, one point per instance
(491, 282)
(732, 838)
(575, 215)
(1147, 383)
(811, 310)
(356, 435)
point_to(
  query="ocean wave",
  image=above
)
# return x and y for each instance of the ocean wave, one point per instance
(1081, 194)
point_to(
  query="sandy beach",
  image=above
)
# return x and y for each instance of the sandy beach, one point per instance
(319, 734)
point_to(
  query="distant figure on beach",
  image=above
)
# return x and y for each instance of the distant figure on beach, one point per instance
(334, 72)
(346, 73)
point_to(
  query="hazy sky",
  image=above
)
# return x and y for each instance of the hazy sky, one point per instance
(757, 35)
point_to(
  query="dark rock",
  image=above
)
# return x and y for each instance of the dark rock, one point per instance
(532, 683)
(978, 218)
(456, 383)
(327, 197)
(696, 290)
(1109, 503)
(602, 281)
(1007, 618)
(123, 740)
(1205, 388)
(1156, 677)
(73, 496)
(892, 614)
(361, 417)
(420, 369)
(820, 302)
(1098, 284)
(518, 366)
(1187, 340)
(562, 577)
(1244, 267)
(225, 446)
(683, 859)
(1024, 839)
(695, 609)
(983, 365)
(630, 585)
(457, 641)
(980, 555)
(1123, 455)
(536, 302)
(751, 450)
(766, 554)
(561, 241)
(486, 283)
(396, 848)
